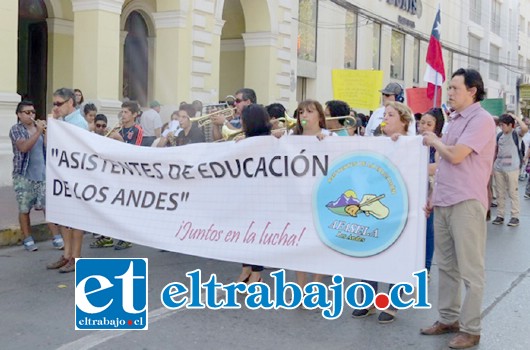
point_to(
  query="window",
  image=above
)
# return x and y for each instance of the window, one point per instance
(397, 55)
(528, 66)
(474, 52)
(416, 53)
(475, 11)
(376, 48)
(496, 17)
(307, 30)
(521, 24)
(528, 29)
(494, 62)
(350, 41)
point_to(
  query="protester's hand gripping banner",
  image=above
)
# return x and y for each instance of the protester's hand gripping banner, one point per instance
(344, 205)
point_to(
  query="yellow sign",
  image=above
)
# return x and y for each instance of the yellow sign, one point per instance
(359, 88)
(524, 92)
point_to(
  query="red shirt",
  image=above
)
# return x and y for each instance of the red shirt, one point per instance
(133, 134)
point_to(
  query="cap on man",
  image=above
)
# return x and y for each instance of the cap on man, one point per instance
(392, 89)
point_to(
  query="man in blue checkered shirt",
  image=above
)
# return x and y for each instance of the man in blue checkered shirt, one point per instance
(28, 139)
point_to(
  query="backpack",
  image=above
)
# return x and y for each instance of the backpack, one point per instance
(520, 147)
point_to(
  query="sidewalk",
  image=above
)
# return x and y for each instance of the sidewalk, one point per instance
(9, 226)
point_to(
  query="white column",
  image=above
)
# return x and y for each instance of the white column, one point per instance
(261, 51)
(8, 83)
(60, 56)
(97, 52)
(173, 57)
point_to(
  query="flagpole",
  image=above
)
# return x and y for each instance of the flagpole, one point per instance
(435, 91)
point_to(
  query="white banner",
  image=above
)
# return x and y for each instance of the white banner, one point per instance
(347, 205)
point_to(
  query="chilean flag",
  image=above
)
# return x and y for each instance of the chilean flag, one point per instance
(435, 72)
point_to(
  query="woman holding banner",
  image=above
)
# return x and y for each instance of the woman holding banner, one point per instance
(396, 122)
(310, 121)
(255, 121)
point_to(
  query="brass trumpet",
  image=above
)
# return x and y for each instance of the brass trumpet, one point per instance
(288, 122)
(116, 128)
(230, 100)
(349, 121)
(229, 134)
(206, 119)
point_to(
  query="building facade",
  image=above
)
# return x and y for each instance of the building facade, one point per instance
(393, 36)
(523, 58)
(492, 42)
(168, 50)
(185, 50)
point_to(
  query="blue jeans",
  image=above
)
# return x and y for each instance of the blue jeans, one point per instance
(429, 248)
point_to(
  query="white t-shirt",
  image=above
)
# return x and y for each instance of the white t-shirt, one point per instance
(324, 132)
(149, 121)
(377, 118)
(374, 121)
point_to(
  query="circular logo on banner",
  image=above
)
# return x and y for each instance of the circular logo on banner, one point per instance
(360, 208)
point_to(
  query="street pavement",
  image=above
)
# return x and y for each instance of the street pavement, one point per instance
(37, 306)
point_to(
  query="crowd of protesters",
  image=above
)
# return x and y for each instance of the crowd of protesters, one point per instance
(476, 161)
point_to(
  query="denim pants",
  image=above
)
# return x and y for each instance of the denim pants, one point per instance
(429, 242)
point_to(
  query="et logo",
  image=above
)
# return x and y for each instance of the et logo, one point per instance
(111, 294)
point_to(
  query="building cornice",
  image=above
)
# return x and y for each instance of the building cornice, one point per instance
(230, 45)
(170, 19)
(258, 39)
(113, 6)
(60, 26)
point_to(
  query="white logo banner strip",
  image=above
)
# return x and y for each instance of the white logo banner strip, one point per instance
(254, 201)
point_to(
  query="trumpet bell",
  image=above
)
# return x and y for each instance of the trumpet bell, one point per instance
(289, 122)
(229, 134)
(230, 100)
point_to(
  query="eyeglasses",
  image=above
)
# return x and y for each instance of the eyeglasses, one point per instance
(28, 112)
(59, 104)
(101, 125)
(387, 95)
(238, 100)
